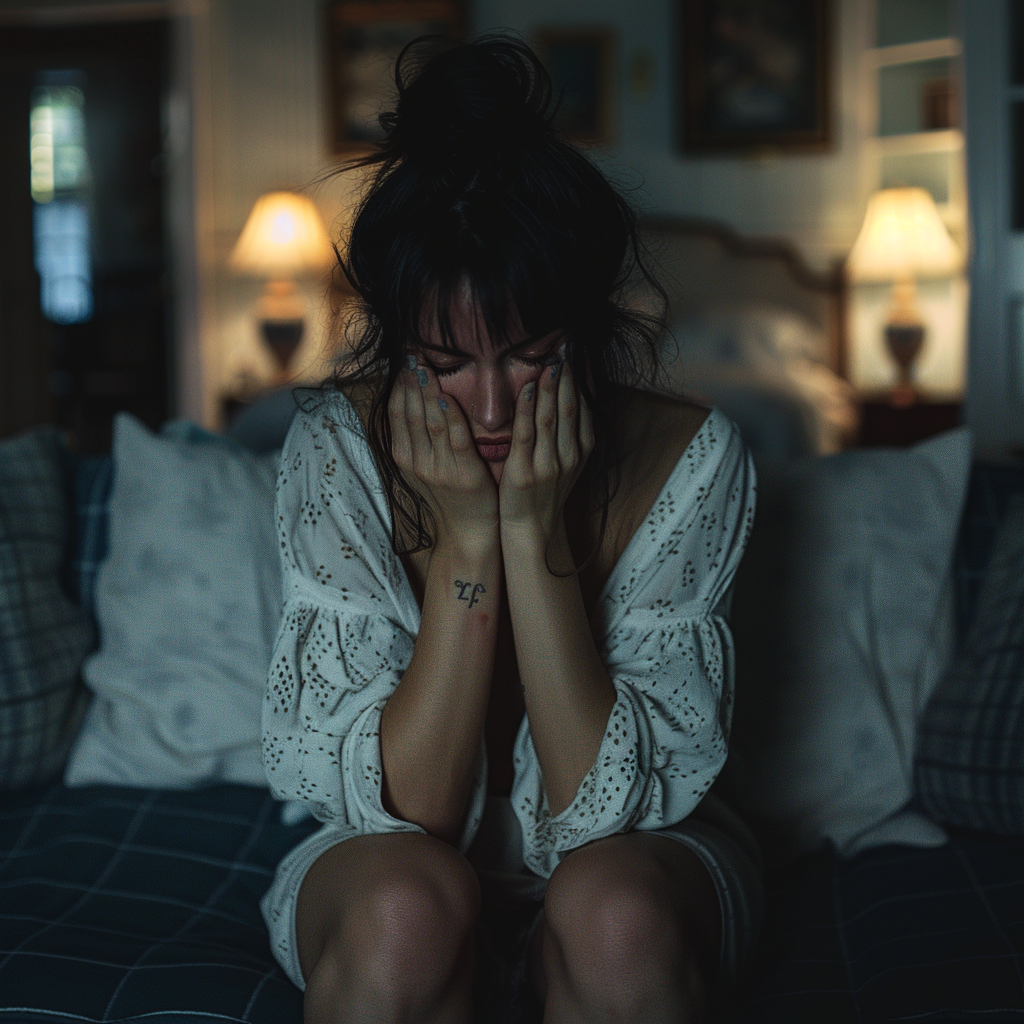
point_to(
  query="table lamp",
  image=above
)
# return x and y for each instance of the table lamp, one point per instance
(283, 238)
(902, 239)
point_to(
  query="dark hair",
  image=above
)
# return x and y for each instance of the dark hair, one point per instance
(474, 184)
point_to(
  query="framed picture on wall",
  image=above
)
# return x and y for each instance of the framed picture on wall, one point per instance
(581, 65)
(755, 75)
(365, 38)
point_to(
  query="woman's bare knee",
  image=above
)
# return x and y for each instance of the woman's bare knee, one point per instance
(387, 924)
(617, 940)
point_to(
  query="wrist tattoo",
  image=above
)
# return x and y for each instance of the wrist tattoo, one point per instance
(477, 588)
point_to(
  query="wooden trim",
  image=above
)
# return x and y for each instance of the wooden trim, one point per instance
(737, 244)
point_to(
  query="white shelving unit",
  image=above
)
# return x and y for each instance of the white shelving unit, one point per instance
(912, 50)
(930, 157)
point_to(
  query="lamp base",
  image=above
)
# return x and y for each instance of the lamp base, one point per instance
(904, 341)
(282, 337)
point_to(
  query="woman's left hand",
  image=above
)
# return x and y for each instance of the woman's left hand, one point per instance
(552, 437)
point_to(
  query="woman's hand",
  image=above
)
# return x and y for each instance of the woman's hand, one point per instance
(433, 447)
(552, 437)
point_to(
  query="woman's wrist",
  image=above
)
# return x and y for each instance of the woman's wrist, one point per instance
(525, 544)
(476, 547)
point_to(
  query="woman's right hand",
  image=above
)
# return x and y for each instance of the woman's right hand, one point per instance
(433, 447)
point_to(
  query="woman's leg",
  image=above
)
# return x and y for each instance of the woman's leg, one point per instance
(631, 932)
(384, 926)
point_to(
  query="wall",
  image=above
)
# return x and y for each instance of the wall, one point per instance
(814, 200)
(267, 124)
(267, 100)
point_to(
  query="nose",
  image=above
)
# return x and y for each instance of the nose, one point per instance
(494, 408)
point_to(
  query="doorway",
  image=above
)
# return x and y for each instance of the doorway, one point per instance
(84, 295)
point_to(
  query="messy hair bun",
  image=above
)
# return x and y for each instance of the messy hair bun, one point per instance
(474, 186)
(472, 102)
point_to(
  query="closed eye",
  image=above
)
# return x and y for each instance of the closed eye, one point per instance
(445, 371)
(549, 359)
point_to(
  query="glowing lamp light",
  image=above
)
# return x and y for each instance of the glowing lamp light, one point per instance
(283, 237)
(903, 239)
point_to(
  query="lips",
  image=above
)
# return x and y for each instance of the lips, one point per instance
(493, 449)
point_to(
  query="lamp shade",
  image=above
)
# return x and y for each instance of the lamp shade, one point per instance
(284, 236)
(903, 237)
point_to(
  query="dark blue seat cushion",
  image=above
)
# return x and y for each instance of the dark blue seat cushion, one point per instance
(122, 904)
(896, 934)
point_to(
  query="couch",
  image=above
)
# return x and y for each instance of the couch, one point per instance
(128, 903)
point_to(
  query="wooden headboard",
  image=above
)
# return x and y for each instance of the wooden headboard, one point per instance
(706, 267)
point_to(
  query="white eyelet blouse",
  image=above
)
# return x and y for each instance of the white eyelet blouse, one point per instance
(350, 621)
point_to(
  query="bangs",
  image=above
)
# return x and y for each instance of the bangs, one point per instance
(504, 265)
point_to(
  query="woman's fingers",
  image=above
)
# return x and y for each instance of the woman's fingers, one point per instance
(401, 446)
(545, 452)
(416, 419)
(523, 429)
(568, 421)
(434, 414)
(586, 433)
(459, 435)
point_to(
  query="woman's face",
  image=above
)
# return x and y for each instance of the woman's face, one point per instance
(486, 379)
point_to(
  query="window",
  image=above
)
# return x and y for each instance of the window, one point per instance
(60, 192)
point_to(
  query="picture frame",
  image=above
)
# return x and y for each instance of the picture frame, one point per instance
(755, 75)
(581, 62)
(365, 38)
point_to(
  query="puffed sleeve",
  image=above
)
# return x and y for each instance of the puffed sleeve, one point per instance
(662, 632)
(347, 630)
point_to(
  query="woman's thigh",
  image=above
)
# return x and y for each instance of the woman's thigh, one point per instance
(390, 893)
(625, 890)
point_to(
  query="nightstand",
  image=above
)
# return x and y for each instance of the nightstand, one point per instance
(885, 424)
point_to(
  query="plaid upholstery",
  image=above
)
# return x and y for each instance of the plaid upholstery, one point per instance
(896, 934)
(122, 905)
(125, 905)
(91, 479)
(992, 487)
(43, 636)
(970, 754)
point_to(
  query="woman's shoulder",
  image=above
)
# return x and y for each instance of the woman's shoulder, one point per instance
(325, 411)
(326, 442)
(689, 493)
(658, 429)
(664, 430)
(695, 448)
(668, 421)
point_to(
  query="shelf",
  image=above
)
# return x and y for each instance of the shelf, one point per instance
(946, 140)
(911, 53)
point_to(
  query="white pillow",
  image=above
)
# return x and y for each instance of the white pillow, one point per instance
(187, 601)
(723, 354)
(843, 621)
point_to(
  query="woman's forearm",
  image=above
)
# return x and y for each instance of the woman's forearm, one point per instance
(569, 695)
(432, 724)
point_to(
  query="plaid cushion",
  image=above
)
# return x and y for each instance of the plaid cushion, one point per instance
(91, 478)
(43, 636)
(124, 905)
(970, 747)
(896, 934)
(992, 487)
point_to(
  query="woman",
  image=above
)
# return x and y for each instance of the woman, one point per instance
(503, 664)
